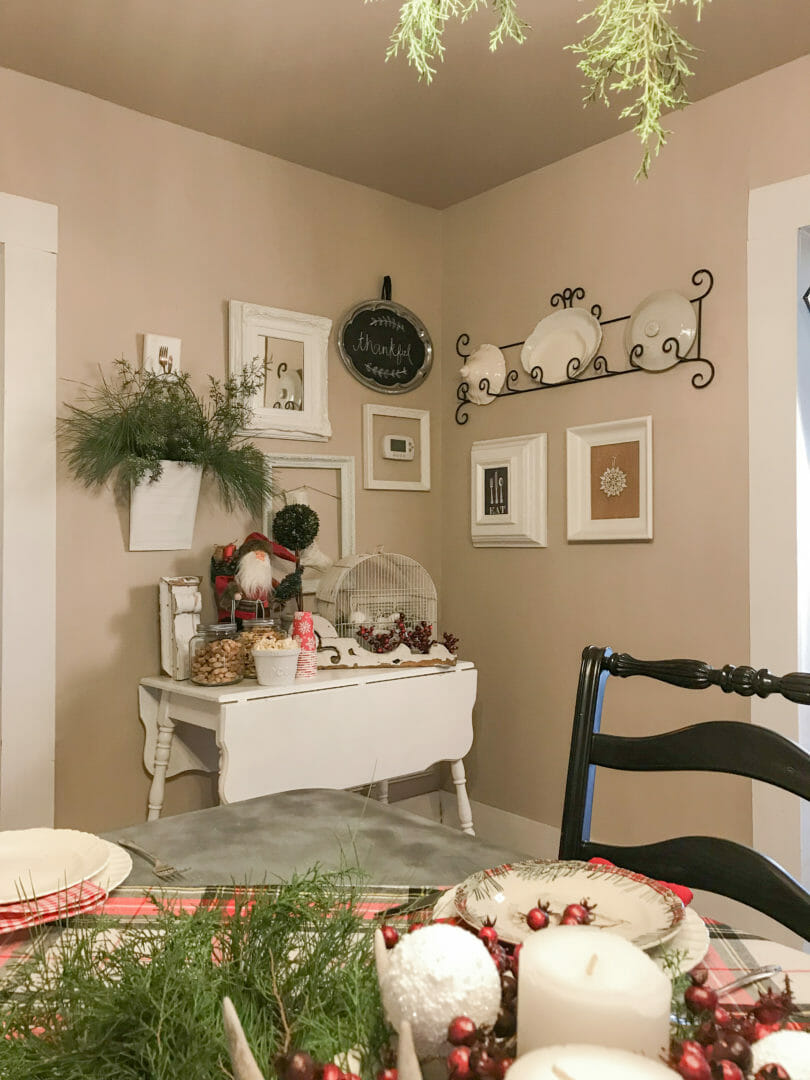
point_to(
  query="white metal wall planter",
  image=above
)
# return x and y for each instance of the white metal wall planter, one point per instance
(162, 512)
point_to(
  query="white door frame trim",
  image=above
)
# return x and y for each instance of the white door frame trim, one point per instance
(28, 245)
(778, 640)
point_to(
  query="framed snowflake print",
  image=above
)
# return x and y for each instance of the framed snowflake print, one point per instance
(508, 495)
(610, 480)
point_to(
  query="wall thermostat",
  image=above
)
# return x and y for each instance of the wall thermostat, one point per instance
(399, 447)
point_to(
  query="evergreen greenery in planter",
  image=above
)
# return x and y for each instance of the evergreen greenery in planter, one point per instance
(135, 419)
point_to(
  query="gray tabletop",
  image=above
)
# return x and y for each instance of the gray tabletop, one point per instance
(271, 837)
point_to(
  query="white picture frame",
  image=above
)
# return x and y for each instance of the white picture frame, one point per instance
(509, 492)
(249, 327)
(370, 481)
(161, 355)
(344, 465)
(581, 463)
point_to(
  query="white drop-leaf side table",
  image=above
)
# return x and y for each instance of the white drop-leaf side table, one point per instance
(339, 729)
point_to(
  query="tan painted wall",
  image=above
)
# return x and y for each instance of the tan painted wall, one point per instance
(159, 227)
(525, 615)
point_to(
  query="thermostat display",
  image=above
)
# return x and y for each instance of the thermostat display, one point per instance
(399, 447)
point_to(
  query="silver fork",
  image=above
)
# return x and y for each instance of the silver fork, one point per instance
(160, 869)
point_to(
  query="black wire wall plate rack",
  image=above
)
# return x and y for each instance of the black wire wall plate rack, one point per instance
(598, 368)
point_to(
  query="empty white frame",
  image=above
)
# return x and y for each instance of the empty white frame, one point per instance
(294, 403)
(422, 417)
(344, 466)
(508, 497)
(610, 480)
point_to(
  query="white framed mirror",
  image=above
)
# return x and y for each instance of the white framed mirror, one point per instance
(292, 346)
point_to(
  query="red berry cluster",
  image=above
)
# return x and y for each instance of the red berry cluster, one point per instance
(538, 918)
(419, 639)
(477, 1051)
(721, 1048)
(300, 1066)
(485, 1053)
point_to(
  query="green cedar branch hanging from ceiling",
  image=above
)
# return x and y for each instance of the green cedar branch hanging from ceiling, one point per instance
(634, 49)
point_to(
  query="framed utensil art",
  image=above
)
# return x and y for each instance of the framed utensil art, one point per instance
(508, 493)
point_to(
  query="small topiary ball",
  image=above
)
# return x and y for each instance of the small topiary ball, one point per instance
(295, 526)
(436, 974)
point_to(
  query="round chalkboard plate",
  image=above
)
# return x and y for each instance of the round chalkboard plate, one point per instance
(385, 346)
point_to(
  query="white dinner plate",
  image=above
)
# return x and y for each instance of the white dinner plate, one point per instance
(118, 868)
(630, 905)
(659, 318)
(690, 943)
(35, 862)
(572, 334)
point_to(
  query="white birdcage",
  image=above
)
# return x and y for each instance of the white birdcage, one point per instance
(376, 590)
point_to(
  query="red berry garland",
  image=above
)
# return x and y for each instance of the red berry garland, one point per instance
(419, 639)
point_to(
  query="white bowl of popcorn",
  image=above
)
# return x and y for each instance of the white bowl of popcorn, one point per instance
(276, 661)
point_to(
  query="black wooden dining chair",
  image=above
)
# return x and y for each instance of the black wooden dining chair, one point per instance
(725, 746)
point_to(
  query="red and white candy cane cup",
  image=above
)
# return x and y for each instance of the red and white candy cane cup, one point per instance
(307, 665)
(303, 631)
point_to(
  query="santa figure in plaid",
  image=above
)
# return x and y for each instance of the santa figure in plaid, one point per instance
(260, 564)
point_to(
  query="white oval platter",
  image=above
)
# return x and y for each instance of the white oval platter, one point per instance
(661, 317)
(630, 905)
(559, 338)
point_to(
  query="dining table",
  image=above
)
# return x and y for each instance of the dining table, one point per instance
(404, 862)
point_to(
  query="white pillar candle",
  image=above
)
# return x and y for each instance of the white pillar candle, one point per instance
(586, 1063)
(578, 984)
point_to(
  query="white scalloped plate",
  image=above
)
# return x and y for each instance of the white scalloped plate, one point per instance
(658, 319)
(36, 862)
(117, 870)
(690, 942)
(559, 338)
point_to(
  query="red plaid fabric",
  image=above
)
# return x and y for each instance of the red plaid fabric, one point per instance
(76, 900)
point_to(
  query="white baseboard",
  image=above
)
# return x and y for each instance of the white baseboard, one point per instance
(542, 842)
(491, 824)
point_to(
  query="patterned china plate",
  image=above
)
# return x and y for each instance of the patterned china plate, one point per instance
(630, 905)
(689, 944)
(563, 336)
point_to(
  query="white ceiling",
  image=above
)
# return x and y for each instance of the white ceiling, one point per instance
(306, 80)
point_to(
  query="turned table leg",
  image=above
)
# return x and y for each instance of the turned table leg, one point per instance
(464, 808)
(381, 791)
(163, 751)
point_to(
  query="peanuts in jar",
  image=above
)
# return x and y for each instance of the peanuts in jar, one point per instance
(216, 657)
(253, 631)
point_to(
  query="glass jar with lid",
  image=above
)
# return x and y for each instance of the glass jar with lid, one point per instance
(254, 630)
(216, 657)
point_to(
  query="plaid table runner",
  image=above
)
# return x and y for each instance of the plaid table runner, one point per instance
(731, 952)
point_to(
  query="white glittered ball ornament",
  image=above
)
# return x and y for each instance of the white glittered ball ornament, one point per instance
(434, 975)
(790, 1049)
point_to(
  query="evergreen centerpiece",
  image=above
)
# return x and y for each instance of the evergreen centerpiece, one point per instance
(135, 422)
